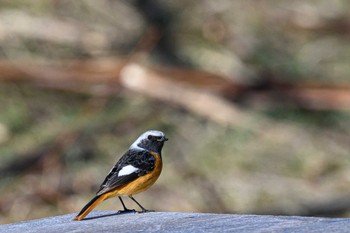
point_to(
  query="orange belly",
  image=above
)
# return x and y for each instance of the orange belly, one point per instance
(141, 183)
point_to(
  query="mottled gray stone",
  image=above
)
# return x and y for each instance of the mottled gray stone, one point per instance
(109, 221)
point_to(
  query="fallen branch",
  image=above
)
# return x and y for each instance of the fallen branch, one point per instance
(205, 94)
(202, 102)
(96, 77)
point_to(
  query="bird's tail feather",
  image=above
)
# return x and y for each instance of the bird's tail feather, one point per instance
(90, 206)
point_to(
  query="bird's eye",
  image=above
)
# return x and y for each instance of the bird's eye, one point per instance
(154, 138)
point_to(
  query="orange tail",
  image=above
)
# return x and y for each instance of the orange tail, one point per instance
(90, 206)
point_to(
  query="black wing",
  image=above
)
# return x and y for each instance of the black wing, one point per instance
(142, 160)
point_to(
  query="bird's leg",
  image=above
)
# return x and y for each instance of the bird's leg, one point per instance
(126, 210)
(143, 209)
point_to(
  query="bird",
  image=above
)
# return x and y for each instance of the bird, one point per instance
(135, 171)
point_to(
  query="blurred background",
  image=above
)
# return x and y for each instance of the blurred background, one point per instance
(254, 96)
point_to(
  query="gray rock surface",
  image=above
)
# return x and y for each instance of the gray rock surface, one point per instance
(109, 221)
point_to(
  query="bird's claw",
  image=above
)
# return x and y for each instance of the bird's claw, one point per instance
(126, 211)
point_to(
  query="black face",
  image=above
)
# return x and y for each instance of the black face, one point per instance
(153, 143)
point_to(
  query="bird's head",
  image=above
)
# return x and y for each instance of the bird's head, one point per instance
(151, 140)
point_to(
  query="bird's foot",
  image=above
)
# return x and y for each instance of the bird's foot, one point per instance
(145, 211)
(126, 211)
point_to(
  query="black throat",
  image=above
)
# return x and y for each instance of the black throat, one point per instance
(153, 146)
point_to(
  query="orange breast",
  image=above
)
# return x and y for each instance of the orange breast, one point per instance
(143, 182)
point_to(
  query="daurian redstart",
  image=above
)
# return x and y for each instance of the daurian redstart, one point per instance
(135, 171)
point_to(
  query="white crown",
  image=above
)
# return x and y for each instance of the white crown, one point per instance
(144, 136)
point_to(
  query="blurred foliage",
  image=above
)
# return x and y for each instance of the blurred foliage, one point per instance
(69, 141)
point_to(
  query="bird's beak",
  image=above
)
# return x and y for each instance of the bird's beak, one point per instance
(165, 139)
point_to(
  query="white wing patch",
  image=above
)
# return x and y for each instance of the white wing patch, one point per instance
(127, 170)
